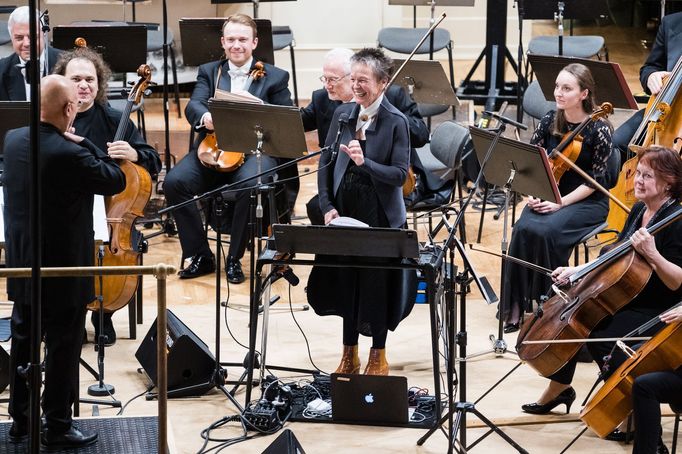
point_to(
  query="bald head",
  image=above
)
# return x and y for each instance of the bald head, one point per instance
(59, 101)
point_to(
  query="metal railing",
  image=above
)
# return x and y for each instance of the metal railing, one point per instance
(160, 272)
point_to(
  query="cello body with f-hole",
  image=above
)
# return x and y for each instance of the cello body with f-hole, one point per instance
(661, 125)
(597, 291)
(122, 211)
(613, 402)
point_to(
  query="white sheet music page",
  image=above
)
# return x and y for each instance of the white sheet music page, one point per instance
(99, 218)
(345, 221)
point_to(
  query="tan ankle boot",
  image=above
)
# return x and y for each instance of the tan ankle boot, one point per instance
(350, 361)
(377, 364)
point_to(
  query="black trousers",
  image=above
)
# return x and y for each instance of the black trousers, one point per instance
(63, 331)
(189, 178)
(648, 392)
(617, 326)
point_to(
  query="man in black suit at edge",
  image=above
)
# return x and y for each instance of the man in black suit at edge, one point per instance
(72, 169)
(13, 85)
(317, 115)
(195, 174)
(665, 52)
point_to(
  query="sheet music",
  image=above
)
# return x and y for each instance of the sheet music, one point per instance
(99, 218)
(346, 221)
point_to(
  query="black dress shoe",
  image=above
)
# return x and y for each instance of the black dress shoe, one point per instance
(511, 327)
(17, 433)
(71, 439)
(199, 266)
(234, 271)
(619, 435)
(566, 397)
(108, 327)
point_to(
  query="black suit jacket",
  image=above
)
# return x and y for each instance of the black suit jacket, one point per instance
(318, 114)
(272, 89)
(387, 155)
(70, 174)
(666, 50)
(12, 86)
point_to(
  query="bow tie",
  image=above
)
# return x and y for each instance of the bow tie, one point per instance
(236, 73)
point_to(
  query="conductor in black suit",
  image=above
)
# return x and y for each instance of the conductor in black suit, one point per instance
(72, 169)
(665, 52)
(13, 85)
(196, 174)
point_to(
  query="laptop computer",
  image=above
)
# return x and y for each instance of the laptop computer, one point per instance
(369, 399)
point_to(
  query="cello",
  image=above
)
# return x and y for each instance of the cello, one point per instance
(122, 211)
(613, 403)
(661, 125)
(595, 292)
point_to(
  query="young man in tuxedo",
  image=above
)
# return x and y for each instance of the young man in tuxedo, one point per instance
(196, 173)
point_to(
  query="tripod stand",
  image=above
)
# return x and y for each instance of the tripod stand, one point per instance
(458, 284)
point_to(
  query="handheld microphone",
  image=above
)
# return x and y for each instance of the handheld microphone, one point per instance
(343, 121)
(506, 120)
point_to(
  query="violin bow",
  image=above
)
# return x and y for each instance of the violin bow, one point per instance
(532, 266)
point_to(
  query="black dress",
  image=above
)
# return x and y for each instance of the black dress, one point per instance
(375, 299)
(548, 239)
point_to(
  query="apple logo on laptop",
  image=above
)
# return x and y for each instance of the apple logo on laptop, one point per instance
(369, 398)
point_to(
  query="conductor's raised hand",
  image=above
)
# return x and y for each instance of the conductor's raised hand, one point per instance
(354, 152)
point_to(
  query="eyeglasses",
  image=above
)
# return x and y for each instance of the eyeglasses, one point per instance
(332, 80)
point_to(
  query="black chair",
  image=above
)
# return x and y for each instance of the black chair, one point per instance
(534, 102)
(443, 157)
(282, 37)
(404, 40)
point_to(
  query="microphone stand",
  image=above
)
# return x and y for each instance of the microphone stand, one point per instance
(32, 372)
(452, 282)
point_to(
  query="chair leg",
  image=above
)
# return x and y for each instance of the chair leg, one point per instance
(452, 77)
(293, 72)
(675, 432)
(175, 79)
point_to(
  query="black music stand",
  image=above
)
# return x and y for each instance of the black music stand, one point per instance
(273, 130)
(426, 82)
(201, 40)
(608, 77)
(123, 47)
(518, 167)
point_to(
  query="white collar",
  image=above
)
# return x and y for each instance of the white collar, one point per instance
(372, 109)
(245, 67)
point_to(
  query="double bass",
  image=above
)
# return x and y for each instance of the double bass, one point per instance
(661, 125)
(122, 210)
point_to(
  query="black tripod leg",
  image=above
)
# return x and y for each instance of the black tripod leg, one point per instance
(497, 430)
(574, 440)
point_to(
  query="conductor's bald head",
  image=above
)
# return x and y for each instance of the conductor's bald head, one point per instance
(59, 101)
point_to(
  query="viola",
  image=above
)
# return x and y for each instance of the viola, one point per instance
(122, 211)
(613, 402)
(227, 161)
(597, 291)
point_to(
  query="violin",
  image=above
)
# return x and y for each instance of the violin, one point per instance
(227, 161)
(565, 154)
(594, 293)
(613, 402)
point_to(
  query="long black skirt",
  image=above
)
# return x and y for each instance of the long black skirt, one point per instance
(375, 299)
(546, 240)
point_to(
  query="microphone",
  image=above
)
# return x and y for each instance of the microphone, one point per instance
(284, 271)
(343, 121)
(506, 120)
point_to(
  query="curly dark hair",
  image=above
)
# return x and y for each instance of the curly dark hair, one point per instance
(101, 68)
(380, 63)
(667, 165)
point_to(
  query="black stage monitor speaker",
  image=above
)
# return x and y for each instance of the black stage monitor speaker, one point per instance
(190, 362)
(286, 443)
